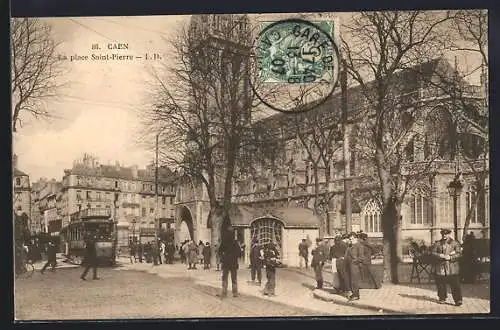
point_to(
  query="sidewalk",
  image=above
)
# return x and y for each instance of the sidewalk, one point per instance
(289, 290)
(296, 287)
(412, 298)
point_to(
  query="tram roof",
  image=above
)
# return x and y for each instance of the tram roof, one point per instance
(291, 217)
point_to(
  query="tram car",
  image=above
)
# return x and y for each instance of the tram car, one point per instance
(93, 222)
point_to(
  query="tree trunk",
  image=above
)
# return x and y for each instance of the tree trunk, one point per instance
(215, 218)
(390, 227)
(317, 211)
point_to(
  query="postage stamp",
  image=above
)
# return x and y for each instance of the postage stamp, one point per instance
(296, 64)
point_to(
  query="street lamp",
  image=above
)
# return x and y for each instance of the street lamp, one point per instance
(455, 189)
(133, 230)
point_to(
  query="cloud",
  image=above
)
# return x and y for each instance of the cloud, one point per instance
(102, 131)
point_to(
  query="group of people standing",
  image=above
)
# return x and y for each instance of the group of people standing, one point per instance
(261, 256)
(350, 257)
(163, 253)
(192, 254)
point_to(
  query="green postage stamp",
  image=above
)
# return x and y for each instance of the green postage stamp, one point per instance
(296, 51)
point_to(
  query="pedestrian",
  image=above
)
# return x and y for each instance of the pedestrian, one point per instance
(51, 257)
(133, 251)
(230, 252)
(140, 251)
(207, 255)
(256, 259)
(90, 258)
(303, 253)
(185, 249)
(201, 246)
(170, 252)
(337, 254)
(217, 257)
(447, 252)
(193, 254)
(354, 258)
(368, 280)
(318, 261)
(271, 261)
(162, 253)
(182, 253)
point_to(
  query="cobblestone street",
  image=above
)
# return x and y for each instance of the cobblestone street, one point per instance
(176, 293)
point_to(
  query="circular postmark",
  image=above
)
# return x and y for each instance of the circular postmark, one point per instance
(295, 64)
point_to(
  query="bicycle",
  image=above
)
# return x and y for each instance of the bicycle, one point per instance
(26, 271)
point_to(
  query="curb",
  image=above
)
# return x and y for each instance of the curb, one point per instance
(319, 294)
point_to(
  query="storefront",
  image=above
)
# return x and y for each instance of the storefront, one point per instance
(286, 227)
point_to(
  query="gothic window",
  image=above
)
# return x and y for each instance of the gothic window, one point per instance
(18, 181)
(441, 134)
(372, 219)
(476, 200)
(420, 210)
(446, 208)
(409, 151)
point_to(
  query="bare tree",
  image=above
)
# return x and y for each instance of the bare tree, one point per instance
(203, 103)
(35, 69)
(472, 29)
(318, 132)
(381, 46)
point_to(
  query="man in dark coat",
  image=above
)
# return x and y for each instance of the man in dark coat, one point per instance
(90, 258)
(337, 255)
(51, 257)
(368, 279)
(447, 251)
(271, 261)
(303, 253)
(318, 261)
(354, 259)
(468, 262)
(229, 253)
(207, 255)
(256, 255)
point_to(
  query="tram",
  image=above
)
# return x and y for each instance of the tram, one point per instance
(95, 222)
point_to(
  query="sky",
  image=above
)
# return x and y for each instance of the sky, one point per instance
(99, 111)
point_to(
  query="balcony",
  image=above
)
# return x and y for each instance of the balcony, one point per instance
(91, 213)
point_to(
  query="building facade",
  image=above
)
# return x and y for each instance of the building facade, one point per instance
(291, 179)
(129, 193)
(21, 190)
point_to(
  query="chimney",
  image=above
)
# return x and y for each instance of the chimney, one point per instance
(14, 161)
(117, 165)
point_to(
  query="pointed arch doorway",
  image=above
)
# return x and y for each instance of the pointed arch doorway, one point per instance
(185, 224)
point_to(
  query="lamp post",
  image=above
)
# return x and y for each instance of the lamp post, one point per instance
(133, 230)
(455, 189)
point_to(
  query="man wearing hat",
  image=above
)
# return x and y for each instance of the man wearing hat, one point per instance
(447, 252)
(354, 259)
(318, 261)
(256, 256)
(337, 253)
(368, 278)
